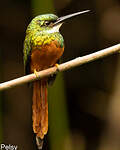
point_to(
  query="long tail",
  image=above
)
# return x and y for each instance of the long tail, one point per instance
(40, 110)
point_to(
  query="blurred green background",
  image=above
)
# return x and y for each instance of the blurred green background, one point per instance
(81, 112)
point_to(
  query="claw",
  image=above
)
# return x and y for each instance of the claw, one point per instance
(36, 73)
(57, 66)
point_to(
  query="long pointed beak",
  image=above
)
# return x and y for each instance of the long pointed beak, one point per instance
(64, 18)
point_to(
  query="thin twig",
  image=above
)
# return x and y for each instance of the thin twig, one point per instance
(63, 67)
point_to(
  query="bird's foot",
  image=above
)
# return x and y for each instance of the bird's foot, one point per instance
(36, 73)
(57, 66)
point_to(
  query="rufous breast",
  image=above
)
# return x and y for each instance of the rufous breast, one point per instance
(45, 56)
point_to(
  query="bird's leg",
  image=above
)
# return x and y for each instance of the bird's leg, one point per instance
(57, 66)
(52, 77)
(36, 73)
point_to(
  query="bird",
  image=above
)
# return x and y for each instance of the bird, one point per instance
(43, 48)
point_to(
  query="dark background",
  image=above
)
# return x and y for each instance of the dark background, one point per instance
(89, 88)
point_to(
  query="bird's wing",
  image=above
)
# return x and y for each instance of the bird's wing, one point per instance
(27, 54)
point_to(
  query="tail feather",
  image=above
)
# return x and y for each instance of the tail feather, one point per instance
(44, 119)
(39, 143)
(40, 108)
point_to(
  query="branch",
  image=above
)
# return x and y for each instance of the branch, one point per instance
(63, 67)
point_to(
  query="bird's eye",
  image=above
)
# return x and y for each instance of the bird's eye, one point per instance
(47, 23)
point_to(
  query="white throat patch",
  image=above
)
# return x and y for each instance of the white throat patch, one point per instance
(54, 29)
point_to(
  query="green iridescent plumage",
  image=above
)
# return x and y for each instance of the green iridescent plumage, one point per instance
(40, 32)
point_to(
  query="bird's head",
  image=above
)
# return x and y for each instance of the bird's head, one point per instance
(50, 23)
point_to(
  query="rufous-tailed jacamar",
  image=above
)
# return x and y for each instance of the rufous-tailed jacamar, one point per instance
(43, 47)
